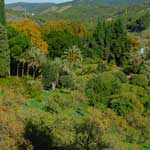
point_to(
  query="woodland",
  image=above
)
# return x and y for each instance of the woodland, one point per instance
(69, 85)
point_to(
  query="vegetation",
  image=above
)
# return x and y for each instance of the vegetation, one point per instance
(65, 85)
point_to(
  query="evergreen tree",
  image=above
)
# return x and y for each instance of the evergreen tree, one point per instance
(2, 12)
(120, 43)
(99, 35)
(4, 53)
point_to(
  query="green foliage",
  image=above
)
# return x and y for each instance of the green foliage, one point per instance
(139, 80)
(51, 73)
(113, 42)
(145, 69)
(141, 23)
(33, 87)
(59, 41)
(125, 103)
(67, 80)
(50, 132)
(99, 89)
(4, 53)
(121, 76)
(72, 57)
(2, 12)
(18, 42)
(102, 67)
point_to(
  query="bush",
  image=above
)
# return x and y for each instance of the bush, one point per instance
(67, 80)
(88, 70)
(124, 103)
(100, 88)
(34, 88)
(121, 76)
(101, 67)
(139, 80)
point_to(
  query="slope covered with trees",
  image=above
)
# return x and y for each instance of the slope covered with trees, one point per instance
(74, 88)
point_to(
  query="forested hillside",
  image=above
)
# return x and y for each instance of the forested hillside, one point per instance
(78, 80)
(89, 12)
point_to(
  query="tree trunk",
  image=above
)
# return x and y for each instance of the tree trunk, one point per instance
(28, 70)
(18, 66)
(34, 73)
(54, 85)
(23, 65)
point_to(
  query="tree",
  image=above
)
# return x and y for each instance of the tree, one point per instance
(72, 57)
(75, 28)
(99, 89)
(113, 42)
(33, 59)
(2, 12)
(58, 41)
(19, 43)
(32, 30)
(99, 35)
(51, 73)
(4, 53)
(120, 44)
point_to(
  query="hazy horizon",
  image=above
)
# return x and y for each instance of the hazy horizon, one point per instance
(36, 1)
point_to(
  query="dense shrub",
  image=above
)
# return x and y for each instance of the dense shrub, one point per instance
(121, 76)
(139, 80)
(67, 80)
(100, 88)
(124, 103)
(34, 88)
(102, 67)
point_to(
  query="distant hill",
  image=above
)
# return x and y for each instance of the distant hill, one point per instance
(87, 11)
(115, 2)
(29, 7)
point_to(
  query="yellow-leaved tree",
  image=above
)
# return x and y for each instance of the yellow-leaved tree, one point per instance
(32, 30)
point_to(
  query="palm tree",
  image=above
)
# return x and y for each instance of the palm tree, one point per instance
(2, 12)
(72, 57)
(35, 59)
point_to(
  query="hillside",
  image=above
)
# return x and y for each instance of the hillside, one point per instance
(78, 10)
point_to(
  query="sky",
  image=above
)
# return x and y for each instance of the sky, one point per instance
(33, 1)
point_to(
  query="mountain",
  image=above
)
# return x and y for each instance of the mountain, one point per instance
(87, 11)
(115, 2)
(29, 7)
(21, 6)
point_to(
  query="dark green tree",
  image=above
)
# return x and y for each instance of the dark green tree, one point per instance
(4, 53)
(19, 43)
(120, 44)
(99, 35)
(2, 12)
(51, 73)
(59, 41)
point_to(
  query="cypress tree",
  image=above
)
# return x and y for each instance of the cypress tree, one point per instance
(120, 44)
(4, 50)
(99, 35)
(4, 53)
(2, 12)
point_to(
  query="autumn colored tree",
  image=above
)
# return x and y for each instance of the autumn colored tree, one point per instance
(77, 29)
(32, 30)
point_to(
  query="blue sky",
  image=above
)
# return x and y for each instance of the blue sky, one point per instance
(32, 1)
